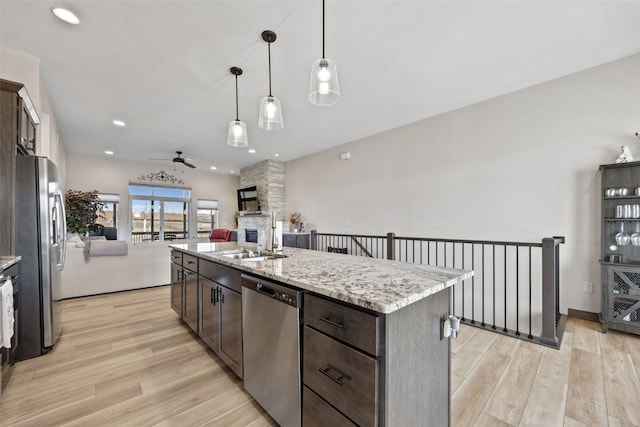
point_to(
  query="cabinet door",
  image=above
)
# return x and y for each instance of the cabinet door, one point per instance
(289, 240)
(624, 298)
(210, 312)
(231, 328)
(8, 132)
(176, 288)
(191, 299)
(27, 136)
(303, 241)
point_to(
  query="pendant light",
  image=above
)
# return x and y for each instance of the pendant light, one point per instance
(237, 130)
(270, 109)
(323, 87)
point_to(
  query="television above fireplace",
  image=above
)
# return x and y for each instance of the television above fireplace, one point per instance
(248, 200)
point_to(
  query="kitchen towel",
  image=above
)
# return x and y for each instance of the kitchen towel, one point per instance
(6, 313)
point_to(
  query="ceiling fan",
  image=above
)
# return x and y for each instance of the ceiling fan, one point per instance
(184, 160)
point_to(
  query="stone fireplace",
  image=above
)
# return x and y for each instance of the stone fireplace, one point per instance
(268, 177)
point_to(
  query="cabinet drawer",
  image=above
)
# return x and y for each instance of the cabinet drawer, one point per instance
(223, 275)
(190, 262)
(176, 257)
(318, 413)
(344, 377)
(347, 324)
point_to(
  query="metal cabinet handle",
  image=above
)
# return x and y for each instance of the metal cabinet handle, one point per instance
(337, 380)
(337, 325)
(191, 262)
(213, 296)
(221, 295)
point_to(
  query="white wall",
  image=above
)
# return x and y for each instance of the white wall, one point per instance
(22, 68)
(107, 175)
(519, 167)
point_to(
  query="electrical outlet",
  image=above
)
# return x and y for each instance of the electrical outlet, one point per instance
(588, 286)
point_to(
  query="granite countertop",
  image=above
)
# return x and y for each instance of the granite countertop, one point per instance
(8, 261)
(380, 285)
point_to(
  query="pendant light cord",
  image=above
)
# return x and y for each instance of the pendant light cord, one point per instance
(237, 115)
(323, 29)
(269, 47)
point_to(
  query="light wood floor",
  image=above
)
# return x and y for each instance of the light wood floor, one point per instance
(125, 360)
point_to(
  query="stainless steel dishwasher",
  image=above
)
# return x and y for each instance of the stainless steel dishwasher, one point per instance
(271, 348)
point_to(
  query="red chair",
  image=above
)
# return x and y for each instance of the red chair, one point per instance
(220, 235)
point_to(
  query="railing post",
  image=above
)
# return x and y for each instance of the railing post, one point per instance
(550, 289)
(314, 240)
(391, 247)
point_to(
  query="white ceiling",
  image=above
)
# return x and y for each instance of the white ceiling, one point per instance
(163, 66)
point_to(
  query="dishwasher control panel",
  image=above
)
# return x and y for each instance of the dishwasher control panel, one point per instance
(280, 293)
(291, 300)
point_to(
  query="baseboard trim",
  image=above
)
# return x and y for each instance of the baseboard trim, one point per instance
(584, 315)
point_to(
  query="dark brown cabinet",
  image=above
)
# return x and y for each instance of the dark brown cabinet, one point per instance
(341, 375)
(210, 311)
(231, 327)
(208, 297)
(18, 122)
(191, 306)
(27, 138)
(318, 413)
(339, 362)
(374, 369)
(221, 312)
(177, 288)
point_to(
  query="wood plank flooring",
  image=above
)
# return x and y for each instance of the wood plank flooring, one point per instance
(125, 360)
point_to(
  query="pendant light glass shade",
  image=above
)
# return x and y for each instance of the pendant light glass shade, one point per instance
(270, 108)
(323, 86)
(270, 113)
(323, 82)
(237, 134)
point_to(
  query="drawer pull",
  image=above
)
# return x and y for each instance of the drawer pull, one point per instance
(191, 262)
(326, 373)
(337, 325)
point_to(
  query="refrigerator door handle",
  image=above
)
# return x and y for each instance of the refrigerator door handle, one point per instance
(63, 230)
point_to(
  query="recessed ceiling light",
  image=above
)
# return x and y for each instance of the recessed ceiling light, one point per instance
(65, 15)
(252, 151)
(109, 152)
(213, 168)
(232, 171)
(119, 123)
(276, 155)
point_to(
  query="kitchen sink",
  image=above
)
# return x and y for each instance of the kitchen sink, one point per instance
(245, 255)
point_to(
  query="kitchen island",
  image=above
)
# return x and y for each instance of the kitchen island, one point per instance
(372, 351)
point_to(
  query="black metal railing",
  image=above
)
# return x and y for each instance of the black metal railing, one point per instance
(148, 236)
(514, 289)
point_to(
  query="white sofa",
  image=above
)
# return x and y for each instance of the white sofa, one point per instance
(145, 265)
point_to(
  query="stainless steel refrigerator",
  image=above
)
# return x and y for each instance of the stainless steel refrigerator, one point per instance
(40, 240)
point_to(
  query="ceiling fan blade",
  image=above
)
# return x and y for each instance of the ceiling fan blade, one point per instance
(190, 165)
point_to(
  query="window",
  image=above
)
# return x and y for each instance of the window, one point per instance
(159, 213)
(207, 217)
(109, 215)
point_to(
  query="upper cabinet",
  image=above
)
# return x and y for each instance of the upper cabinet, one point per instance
(24, 117)
(18, 121)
